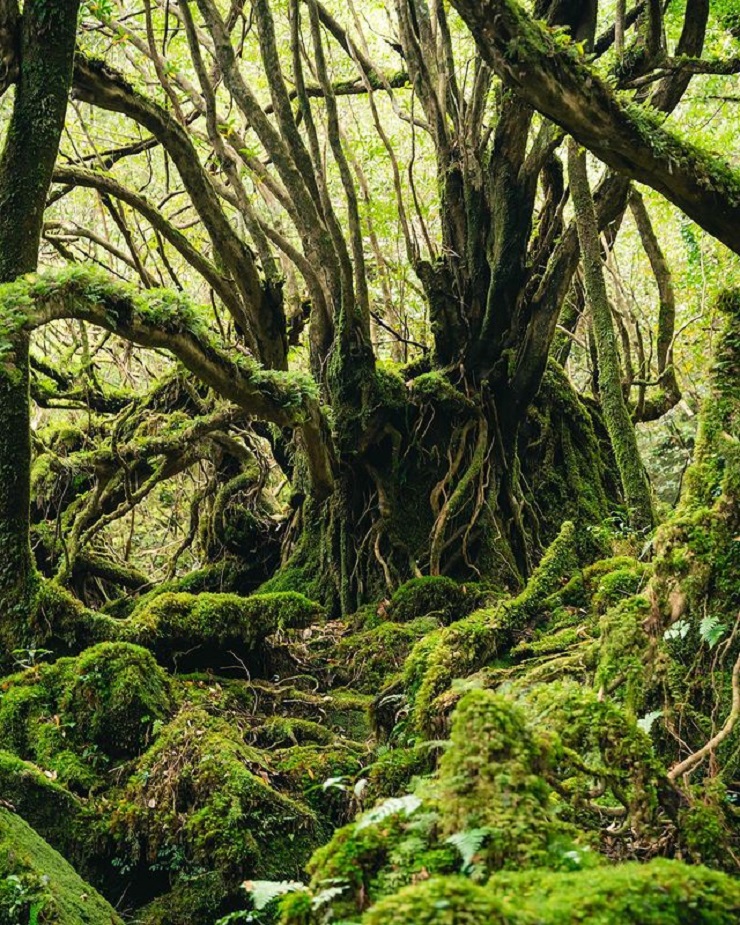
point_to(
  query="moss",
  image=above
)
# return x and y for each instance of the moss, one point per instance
(200, 800)
(601, 740)
(458, 650)
(307, 770)
(37, 884)
(566, 460)
(621, 583)
(349, 713)
(43, 803)
(436, 388)
(706, 828)
(436, 596)
(369, 861)
(548, 642)
(193, 628)
(393, 771)
(366, 660)
(585, 583)
(658, 893)
(75, 717)
(492, 778)
(113, 695)
(58, 622)
(32, 727)
(198, 900)
(442, 901)
(624, 651)
(282, 731)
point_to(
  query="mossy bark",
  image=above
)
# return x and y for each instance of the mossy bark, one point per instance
(616, 414)
(47, 41)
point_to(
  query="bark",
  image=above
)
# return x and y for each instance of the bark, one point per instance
(616, 414)
(562, 87)
(47, 42)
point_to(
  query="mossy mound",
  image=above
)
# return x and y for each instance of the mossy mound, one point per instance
(441, 901)
(38, 885)
(658, 893)
(75, 716)
(436, 596)
(112, 696)
(322, 775)
(200, 800)
(187, 630)
(51, 809)
(201, 899)
(364, 661)
(492, 779)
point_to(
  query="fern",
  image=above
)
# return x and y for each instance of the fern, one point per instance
(468, 843)
(392, 807)
(646, 722)
(711, 630)
(263, 892)
(679, 630)
(325, 896)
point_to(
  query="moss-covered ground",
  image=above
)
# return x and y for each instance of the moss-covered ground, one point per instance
(454, 753)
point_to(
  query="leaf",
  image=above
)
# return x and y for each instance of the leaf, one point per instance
(711, 630)
(468, 843)
(263, 892)
(646, 722)
(678, 631)
(325, 896)
(335, 783)
(391, 807)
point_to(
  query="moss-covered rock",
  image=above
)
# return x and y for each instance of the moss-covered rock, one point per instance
(75, 716)
(201, 799)
(44, 804)
(38, 885)
(201, 899)
(322, 775)
(442, 901)
(659, 893)
(492, 778)
(113, 694)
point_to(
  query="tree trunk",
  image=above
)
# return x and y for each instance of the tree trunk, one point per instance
(616, 414)
(47, 41)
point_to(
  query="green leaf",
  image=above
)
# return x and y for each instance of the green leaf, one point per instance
(407, 804)
(263, 892)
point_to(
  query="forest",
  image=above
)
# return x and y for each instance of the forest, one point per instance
(369, 462)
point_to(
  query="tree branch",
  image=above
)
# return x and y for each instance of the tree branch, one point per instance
(159, 318)
(562, 87)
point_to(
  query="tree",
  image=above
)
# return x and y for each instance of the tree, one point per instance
(45, 36)
(442, 469)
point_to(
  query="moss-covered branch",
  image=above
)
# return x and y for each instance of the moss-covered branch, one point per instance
(555, 80)
(166, 320)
